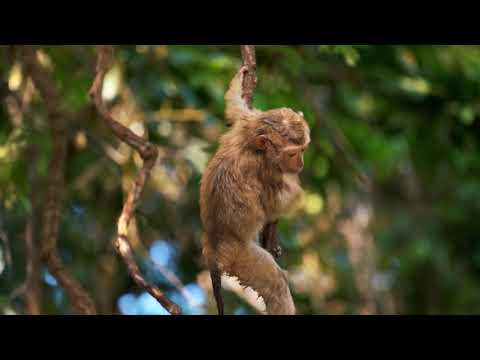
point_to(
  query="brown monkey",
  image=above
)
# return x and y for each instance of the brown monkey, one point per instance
(250, 182)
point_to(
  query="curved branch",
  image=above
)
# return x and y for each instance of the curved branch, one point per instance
(149, 154)
(250, 81)
(78, 296)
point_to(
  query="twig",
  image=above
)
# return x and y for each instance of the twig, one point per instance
(32, 295)
(149, 154)
(7, 254)
(30, 289)
(78, 296)
(176, 282)
(250, 80)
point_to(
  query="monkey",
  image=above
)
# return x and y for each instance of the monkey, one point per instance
(250, 181)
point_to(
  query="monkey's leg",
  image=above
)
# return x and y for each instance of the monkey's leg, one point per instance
(270, 240)
(256, 268)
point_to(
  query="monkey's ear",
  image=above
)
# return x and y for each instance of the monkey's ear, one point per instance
(260, 142)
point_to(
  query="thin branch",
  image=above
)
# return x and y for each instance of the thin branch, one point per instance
(250, 81)
(7, 253)
(149, 154)
(32, 295)
(176, 282)
(78, 296)
(30, 289)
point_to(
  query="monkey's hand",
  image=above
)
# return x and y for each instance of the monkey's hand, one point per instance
(235, 89)
(269, 240)
(235, 105)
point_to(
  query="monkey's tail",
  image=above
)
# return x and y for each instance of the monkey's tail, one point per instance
(216, 277)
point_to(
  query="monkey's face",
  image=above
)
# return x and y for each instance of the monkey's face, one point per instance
(292, 159)
(284, 137)
(295, 141)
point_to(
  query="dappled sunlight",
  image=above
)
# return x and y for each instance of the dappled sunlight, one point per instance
(415, 85)
(195, 153)
(10, 151)
(45, 60)
(167, 113)
(112, 83)
(311, 278)
(81, 140)
(7, 310)
(117, 155)
(165, 184)
(15, 78)
(165, 128)
(313, 204)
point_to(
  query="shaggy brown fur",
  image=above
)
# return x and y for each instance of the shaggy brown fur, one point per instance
(251, 181)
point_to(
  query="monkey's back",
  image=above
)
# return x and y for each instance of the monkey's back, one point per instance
(229, 191)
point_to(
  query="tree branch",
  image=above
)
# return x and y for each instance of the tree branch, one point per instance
(7, 253)
(149, 154)
(269, 232)
(79, 298)
(250, 81)
(30, 290)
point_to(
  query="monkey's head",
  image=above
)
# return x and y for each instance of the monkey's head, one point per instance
(283, 136)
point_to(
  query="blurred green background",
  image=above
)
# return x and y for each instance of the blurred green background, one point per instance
(388, 224)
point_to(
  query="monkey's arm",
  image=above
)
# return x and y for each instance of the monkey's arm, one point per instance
(235, 105)
(269, 239)
(289, 197)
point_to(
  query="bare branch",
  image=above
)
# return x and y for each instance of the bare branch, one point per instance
(176, 282)
(32, 295)
(78, 296)
(149, 154)
(7, 253)
(30, 289)
(250, 81)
